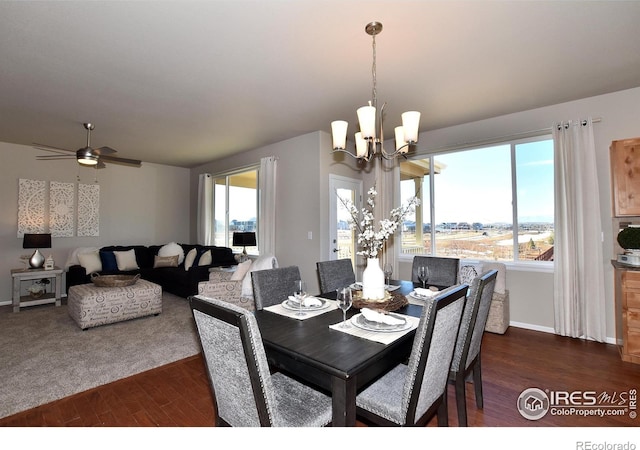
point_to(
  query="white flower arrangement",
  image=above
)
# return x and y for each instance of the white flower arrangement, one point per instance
(370, 240)
(39, 286)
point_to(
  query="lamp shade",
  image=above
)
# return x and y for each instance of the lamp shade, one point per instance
(339, 133)
(36, 240)
(411, 125)
(367, 120)
(243, 239)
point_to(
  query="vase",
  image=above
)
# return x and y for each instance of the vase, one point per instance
(373, 281)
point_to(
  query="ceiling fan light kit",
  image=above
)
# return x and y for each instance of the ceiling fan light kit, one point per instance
(87, 156)
(369, 140)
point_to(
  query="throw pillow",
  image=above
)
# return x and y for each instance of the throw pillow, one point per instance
(190, 259)
(171, 249)
(109, 263)
(262, 263)
(126, 260)
(165, 261)
(241, 270)
(73, 260)
(90, 261)
(205, 259)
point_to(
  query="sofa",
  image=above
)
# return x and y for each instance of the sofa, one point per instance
(178, 268)
(235, 286)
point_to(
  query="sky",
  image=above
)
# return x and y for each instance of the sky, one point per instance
(475, 185)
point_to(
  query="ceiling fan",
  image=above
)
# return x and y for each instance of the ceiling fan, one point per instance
(87, 156)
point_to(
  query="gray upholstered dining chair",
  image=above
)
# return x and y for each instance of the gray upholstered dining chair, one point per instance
(245, 393)
(466, 358)
(411, 394)
(273, 286)
(335, 274)
(442, 271)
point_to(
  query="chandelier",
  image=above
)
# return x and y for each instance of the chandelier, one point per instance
(369, 141)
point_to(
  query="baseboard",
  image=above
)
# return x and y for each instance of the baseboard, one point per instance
(528, 326)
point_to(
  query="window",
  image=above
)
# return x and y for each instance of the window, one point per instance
(235, 207)
(474, 199)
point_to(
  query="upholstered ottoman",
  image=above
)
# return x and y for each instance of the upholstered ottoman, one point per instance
(90, 305)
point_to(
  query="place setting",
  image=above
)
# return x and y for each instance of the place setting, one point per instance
(373, 324)
(301, 305)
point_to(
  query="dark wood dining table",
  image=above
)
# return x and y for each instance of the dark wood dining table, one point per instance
(336, 362)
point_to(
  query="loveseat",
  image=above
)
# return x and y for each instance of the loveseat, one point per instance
(178, 268)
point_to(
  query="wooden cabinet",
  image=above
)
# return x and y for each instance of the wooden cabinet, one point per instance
(625, 177)
(628, 312)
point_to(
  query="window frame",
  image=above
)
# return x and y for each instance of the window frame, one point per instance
(227, 175)
(518, 265)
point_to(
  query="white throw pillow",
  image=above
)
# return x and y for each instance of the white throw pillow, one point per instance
(205, 259)
(73, 260)
(190, 258)
(172, 249)
(241, 270)
(126, 260)
(262, 263)
(90, 261)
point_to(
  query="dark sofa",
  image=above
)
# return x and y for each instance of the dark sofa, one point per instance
(175, 280)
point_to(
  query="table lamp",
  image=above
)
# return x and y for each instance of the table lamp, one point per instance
(243, 239)
(36, 241)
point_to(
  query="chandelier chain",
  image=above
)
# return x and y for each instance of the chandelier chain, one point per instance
(374, 90)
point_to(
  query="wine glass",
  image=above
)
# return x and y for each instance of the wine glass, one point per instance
(300, 292)
(388, 271)
(344, 303)
(423, 275)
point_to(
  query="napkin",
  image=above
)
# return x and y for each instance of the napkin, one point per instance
(307, 302)
(375, 316)
(425, 292)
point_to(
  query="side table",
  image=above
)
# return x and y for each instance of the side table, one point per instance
(20, 275)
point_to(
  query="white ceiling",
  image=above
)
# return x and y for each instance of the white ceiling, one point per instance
(182, 83)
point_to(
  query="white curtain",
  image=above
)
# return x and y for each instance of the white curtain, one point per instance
(267, 206)
(579, 301)
(205, 209)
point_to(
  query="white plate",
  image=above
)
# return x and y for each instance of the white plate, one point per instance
(389, 287)
(291, 306)
(417, 296)
(359, 321)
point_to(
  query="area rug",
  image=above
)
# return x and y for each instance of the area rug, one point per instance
(45, 356)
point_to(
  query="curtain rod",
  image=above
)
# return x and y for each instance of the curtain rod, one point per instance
(508, 137)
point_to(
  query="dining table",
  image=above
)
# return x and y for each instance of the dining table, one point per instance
(314, 351)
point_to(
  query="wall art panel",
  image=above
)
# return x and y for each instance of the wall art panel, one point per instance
(30, 206)
(88, 210)
(61, 209)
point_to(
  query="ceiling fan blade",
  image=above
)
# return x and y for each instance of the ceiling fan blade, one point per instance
(50, 148)
(103, 151)
(117, 160)
(50, 157)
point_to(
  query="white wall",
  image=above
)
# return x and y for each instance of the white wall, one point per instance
(143, 205)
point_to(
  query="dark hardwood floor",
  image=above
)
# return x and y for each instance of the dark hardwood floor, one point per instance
(178, 394)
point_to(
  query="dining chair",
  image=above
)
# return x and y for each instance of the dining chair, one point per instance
(443, 271)
(466, 357)
(245, 393)
(411, 394)
(273, 286)
(335, 274)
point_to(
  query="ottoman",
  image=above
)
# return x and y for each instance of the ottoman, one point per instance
(90, 305)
